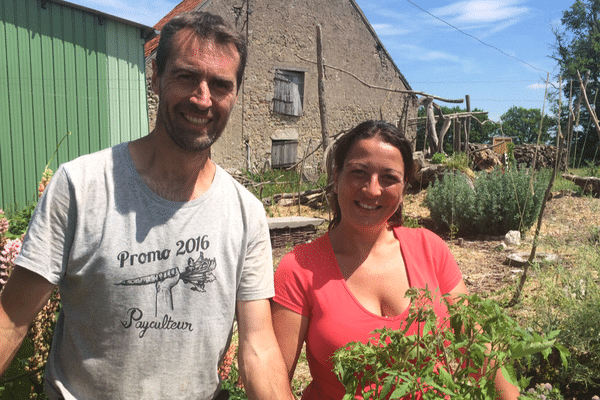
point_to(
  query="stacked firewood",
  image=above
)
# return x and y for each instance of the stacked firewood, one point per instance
(546, 156)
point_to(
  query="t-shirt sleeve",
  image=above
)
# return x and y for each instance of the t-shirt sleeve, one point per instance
(446, 268)
(291, 285)
(47, 243)
(257, 276)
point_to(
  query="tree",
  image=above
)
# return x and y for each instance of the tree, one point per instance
(524, 123)
(577, 48)
(481, 132)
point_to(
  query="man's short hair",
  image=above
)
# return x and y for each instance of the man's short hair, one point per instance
(206, 26)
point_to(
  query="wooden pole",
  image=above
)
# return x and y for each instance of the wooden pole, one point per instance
(456, 136)
(570, 122)
(578, 108)
(467, 124)
(322, 105)
(517, 295)
(587, 104)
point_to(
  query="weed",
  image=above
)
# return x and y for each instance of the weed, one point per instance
(438, 158)
(458, 356)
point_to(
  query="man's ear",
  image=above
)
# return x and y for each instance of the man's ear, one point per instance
(154, 81)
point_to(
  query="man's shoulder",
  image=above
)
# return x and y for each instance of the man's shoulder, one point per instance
(94, 161)
(232, 184)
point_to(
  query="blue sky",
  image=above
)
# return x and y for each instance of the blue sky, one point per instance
(496, 51)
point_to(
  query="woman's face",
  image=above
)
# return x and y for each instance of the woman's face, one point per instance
(371, 183)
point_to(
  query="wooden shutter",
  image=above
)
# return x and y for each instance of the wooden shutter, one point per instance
(287, 99)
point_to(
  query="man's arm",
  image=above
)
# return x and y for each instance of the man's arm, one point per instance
(22, 298)
(261, 365)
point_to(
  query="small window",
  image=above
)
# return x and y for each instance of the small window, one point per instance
(283, 153)
(284, 148)
(289, 92)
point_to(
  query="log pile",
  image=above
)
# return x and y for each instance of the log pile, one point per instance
(314, 198)
(589, 184)
(546, 156)
(484, 158)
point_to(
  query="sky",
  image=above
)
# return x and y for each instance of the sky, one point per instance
(496, 51)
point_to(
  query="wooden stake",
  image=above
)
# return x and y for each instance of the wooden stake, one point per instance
(322, 105)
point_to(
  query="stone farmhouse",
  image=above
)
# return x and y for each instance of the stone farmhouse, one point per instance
(276, 121)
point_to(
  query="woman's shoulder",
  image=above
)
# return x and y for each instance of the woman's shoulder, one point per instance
(415, 233)
(309, 256)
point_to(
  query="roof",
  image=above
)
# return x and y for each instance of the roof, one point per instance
(147, 32)
(184, 6)
(190, 5)
(379, 44)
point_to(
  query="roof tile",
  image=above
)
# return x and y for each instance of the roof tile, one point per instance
(184, 6)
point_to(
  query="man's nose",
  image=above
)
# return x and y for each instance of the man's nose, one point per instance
(201, 96)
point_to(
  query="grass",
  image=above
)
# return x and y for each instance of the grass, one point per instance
(271, 182)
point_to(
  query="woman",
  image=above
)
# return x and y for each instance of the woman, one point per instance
(352, 280)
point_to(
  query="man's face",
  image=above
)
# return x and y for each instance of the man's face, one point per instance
(197, 90)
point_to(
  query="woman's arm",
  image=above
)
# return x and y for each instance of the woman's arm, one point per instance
(290, 330)
(505, 390)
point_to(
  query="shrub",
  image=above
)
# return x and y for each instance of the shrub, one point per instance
(438, 158)
(459, 161)
(570, 303)
(448, 358)
(494, 204)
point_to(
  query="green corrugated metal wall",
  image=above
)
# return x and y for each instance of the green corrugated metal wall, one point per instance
(63, 70)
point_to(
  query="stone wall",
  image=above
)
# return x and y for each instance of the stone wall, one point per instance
(282, 35)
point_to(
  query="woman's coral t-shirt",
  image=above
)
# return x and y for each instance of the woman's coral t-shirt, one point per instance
(308, 281)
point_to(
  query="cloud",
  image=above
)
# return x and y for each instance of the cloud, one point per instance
(542, 86)
(389, 30)
(481, 12)
(149, 14)
(409, 52)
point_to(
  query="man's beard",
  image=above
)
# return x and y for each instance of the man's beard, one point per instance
(195, 144)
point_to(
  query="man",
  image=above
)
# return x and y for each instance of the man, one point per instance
(154, 248)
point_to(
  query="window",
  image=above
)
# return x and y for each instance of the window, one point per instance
(284, 148)
(289, 92)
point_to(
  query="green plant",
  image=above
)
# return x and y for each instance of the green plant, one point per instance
(570, 303)
(542, 391)
(19, 221)
(592, 169)
(510, 152)
(459, 162)
(458, 356)
(230, 375)
(275, 181)
(493, 204)
(438, 158)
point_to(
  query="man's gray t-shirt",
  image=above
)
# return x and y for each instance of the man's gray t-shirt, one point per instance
(148, 286)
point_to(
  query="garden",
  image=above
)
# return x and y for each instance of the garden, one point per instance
(542, 317)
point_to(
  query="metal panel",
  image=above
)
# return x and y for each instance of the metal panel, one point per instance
(14, 102)
(6, 181)
(56, 77)
(126, 75)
